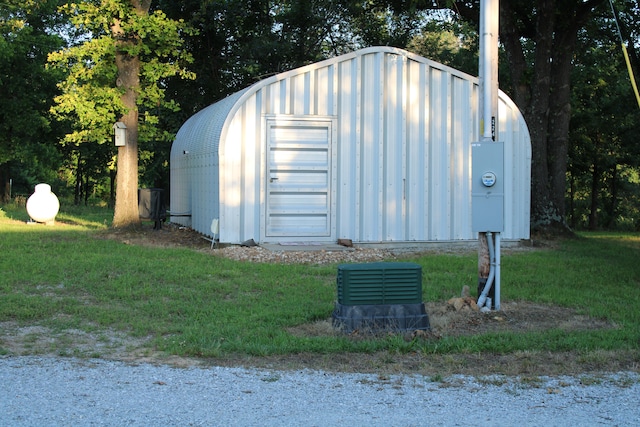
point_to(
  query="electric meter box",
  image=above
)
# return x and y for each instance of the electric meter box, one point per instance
(487, 187)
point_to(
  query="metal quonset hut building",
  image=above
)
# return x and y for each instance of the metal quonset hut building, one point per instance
(372, 146)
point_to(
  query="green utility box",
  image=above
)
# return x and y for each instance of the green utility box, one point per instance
(379, 283)
(380, 296)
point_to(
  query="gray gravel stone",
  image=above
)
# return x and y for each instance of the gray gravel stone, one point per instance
(40, 391)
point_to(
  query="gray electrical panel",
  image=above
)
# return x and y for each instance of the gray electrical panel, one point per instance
(487, 187)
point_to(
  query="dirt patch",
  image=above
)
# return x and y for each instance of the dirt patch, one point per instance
(41, 340)
(446, 321)
(512, 317)
(171, 235)
(168, 236)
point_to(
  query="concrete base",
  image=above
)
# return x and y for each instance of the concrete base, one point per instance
(377, 318)
(305, 247)
(399, 247)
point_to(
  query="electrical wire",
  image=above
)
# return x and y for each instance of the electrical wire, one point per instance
(626, 55)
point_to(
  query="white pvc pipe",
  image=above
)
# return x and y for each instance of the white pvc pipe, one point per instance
(482, 298)
(496, 296)
(494, 273)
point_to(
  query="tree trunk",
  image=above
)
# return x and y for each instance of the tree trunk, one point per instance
(593, 211)
(545, 99)
(87, 189)
(112, 187)
(77, 188)
(613, 204)
(560, 115)
(543, 212)
(531, 92)
(5, 182)
(126, 207)
(572, 200)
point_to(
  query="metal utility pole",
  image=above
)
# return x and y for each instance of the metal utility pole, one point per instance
(488, 164)
(488, 68)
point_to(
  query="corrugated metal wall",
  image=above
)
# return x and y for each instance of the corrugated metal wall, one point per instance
(402, 150)
(195, 166)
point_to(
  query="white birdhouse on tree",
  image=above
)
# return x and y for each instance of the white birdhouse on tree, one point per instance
(120, 131)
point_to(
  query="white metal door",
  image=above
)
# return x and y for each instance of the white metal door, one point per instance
(298, 203)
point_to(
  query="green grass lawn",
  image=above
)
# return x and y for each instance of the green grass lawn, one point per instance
(190, 303)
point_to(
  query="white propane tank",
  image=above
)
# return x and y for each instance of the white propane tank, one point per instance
(43, 205)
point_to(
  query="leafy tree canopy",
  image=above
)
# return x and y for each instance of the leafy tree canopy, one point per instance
(27, 35)
(91, 96)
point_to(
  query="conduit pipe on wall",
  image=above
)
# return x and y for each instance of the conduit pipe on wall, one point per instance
(496, 285)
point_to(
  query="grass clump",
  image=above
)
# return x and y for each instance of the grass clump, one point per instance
(189, 303)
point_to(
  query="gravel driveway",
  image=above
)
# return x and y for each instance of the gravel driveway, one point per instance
(40, 391)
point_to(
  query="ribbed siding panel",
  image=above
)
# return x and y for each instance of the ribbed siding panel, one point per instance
(194, 163)
(404, 126)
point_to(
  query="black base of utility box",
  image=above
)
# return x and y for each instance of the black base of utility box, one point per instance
(151, 206)
(380, 317)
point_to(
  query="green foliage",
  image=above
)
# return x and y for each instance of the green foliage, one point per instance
(603, 167)
(450, 42)
(26, 93)
(240, 42)
(91, 97)
(90, 92)
(378, 24)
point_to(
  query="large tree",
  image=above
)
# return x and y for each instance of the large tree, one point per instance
(539, 38)
(117, 73)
